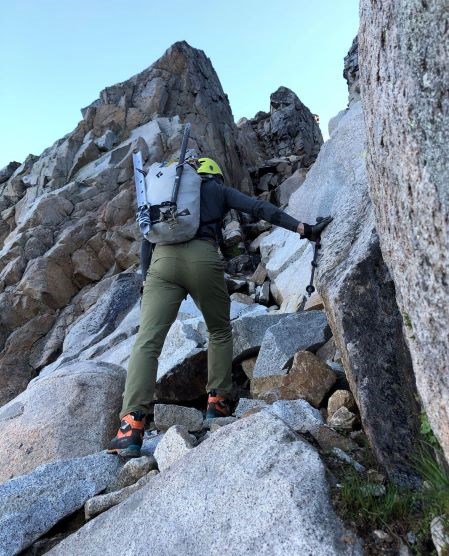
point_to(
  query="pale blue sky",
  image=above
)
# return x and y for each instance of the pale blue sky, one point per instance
(57, 55)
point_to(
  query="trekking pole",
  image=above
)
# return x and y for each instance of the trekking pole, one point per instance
(311, 288)
(180, 166)
(143, 214)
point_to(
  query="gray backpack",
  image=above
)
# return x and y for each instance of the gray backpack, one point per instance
(172, 223)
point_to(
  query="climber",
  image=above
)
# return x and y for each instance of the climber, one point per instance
(193, 267)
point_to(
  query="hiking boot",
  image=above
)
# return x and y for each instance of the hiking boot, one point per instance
(128, 441)
(312, 232)
(217, 406)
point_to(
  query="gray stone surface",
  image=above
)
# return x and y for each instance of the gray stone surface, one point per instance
(31, 504)
(105, 315)
(277, 501)
(175, 444)
(288, 129)
(106, 141)
(356, 288)
(263, 294)
(167, 415)
(286, 188)
(7, 171)
(150, 443)
(299, 331)
(247, 404)
(351, 71)
(239, 309)
(131, 472)
(215, 424)
(343, 456)
(297, 414)
(182, 370)
(103, 502)
(440, 534)
(248, 333)
(342, 420)
(70, 413)
(340, 398)
(404, 72)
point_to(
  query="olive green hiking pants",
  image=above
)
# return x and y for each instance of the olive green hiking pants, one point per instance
(193, 268)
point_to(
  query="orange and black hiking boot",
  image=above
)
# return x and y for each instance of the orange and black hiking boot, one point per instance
(217, 406)
(128, 441)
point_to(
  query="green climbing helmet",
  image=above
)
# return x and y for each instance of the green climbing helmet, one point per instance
(208, 166)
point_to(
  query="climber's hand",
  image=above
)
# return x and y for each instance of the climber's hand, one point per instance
(312, 232)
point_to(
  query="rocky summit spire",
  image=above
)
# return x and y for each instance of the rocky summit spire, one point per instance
(183, 83)
(67, 216)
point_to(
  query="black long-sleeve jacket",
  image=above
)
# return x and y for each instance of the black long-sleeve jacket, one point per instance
(216, 200)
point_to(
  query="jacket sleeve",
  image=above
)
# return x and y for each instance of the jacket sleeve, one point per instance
(262, 210)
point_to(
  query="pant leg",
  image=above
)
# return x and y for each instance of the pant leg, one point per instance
(160, 304)
(207, 286)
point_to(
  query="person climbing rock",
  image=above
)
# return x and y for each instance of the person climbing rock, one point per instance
(193, 267)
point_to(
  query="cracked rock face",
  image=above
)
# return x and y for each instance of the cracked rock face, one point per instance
(404, 65)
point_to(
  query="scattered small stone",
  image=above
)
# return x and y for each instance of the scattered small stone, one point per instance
(234, 284)
(263, 293)
(347, 459)
(375, 477)
(267, 388)
(242, 298)
(440, 534)
(342, 420)
(131, 472)
(309, 378)
(411, 537)
(238, 264)
(260, 275)
(220, 422)
(106, 141)
(314, 303)
(245, 404)
(297, 414)
(382, 536)
(328, 439)
(103, 502)
(340, 398)
(176, 443)
(372, 489)
(251, 288)
(167, 415)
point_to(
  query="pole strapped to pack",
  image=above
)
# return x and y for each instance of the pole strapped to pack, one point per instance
(143, 213)
(180, 166)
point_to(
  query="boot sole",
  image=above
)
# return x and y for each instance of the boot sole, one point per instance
(129, 452)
